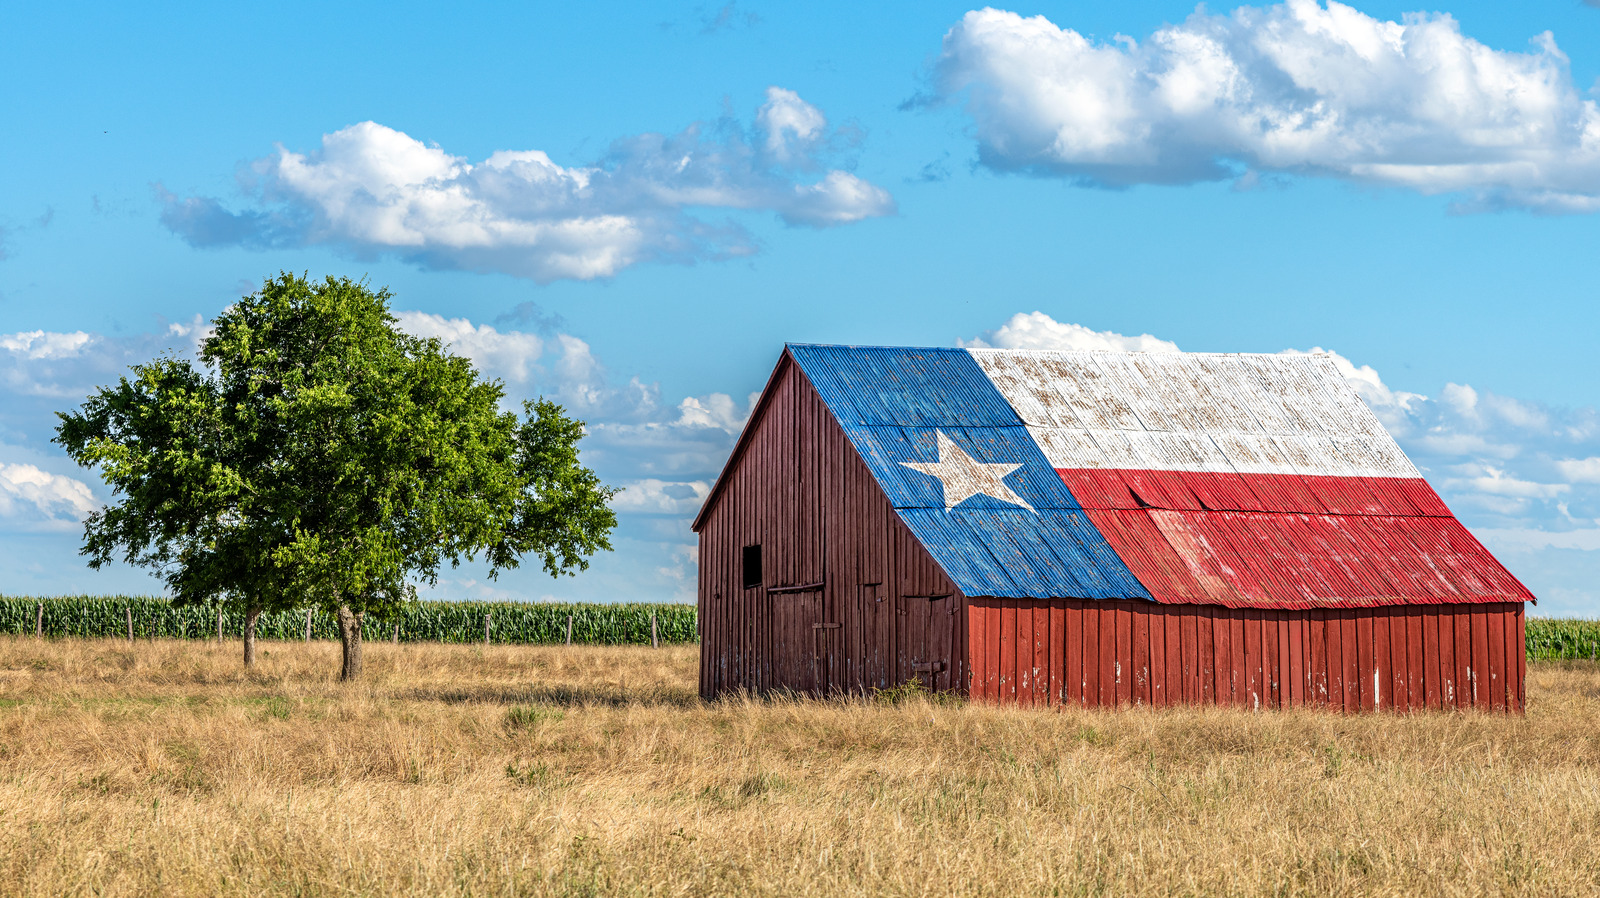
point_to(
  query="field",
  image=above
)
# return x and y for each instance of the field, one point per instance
(149, 617)
(162, 767)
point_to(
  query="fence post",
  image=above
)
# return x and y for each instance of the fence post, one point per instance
(308, 625)
(38, 622)
(397, 633)
(486, 628)
(569, 628)
(654, 643)
(128, 609)
(219, 626)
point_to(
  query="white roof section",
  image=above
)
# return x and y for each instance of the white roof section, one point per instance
(1197, 412)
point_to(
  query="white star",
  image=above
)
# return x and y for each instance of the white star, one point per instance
(963, 478)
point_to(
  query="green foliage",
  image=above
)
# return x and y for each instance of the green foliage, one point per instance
(1556, 639)
(525, 718)
(512, 623)
(326, 458)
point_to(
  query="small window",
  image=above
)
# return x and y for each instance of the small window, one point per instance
(752, 567)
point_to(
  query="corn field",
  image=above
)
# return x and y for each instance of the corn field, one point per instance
(512, 623)
(1563, 639)
(459, 622)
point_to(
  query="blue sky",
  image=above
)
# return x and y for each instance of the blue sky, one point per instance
(631, 210)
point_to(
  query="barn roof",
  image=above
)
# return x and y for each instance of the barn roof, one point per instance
(1258, 481)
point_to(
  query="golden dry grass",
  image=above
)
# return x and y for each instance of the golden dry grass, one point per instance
(164, 768)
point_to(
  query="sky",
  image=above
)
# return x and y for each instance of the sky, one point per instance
(630, 209)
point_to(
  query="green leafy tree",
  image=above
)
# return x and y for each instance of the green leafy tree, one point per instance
(324, 457)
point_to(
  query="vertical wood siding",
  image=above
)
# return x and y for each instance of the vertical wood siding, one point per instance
(1089, 653)
(884, 613)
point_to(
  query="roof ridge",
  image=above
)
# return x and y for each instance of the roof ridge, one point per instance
(1019, 351)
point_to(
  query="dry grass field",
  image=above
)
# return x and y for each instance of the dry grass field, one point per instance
(164, 768)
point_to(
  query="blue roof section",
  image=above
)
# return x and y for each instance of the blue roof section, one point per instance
(888, 385)
(893, 404)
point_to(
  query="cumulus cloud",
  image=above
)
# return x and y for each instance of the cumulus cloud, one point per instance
(1298, 87)
(35, 345)
(662, 496)
(793, 127)
(1036, 330)
(373, 190)
(31, 495)
(508, 355)
(1580, 470)
(42, 372)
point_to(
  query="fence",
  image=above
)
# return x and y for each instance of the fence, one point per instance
(143, 617)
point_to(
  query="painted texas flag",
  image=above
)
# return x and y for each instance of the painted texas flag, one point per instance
(1241, 480)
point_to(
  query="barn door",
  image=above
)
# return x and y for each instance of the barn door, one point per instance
(795, 639)
(873, 629)
(826, 675)
(927, 631)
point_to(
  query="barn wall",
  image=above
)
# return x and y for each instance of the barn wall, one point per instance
(881, 611)
(1110, 653)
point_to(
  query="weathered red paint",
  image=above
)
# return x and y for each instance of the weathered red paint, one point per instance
(1481, 625)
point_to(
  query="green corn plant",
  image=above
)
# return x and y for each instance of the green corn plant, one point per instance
(510, 623)
(1557, 639)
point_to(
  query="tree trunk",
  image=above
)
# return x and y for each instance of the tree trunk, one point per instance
(350, 638)
(250, 615)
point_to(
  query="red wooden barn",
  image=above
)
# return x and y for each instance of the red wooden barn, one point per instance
(1093, 528)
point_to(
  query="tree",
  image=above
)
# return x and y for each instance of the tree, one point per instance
(327, 458)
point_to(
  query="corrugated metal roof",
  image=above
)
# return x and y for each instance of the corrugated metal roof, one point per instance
(1241, 480)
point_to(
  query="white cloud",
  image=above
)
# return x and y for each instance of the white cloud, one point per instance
(1482, 478)
(839, 198)
(508, 355)
(374, 190)
(793, 126)
(1297, 87)
(28, 492)
(33, 345)
(1580, 470)
(1521, 539)
(662, 496)
(43, 371)
(1036, 330)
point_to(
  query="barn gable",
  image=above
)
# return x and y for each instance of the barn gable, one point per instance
(846, 597)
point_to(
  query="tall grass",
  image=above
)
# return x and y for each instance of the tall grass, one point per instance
(431, 621)
(165, 768)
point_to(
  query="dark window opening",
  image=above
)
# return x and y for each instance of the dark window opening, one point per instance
(752, 567)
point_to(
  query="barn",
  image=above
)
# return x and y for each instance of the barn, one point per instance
(1092, 529)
